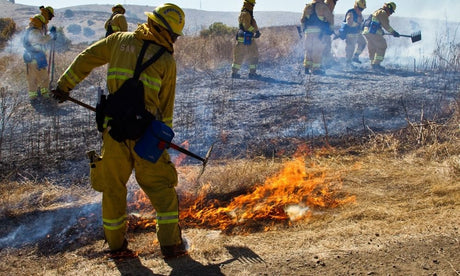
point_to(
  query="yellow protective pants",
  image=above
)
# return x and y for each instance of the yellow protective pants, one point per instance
(157, 180)
(243, 52)
(328, 59)
(377, 46)
(354, 45)
(37, 80)
(314, 47)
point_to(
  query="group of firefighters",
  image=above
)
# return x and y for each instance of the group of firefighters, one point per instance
(318, 27)
(146, 57)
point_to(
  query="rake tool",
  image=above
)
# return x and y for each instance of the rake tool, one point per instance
(166, 145)
(417, 36)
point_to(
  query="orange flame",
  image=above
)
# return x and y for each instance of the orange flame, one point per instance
(293, 186)
(288, 196)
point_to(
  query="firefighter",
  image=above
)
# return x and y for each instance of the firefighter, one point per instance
(352, 28)
(317, 21)
(246, 47)
(373, 32)
(112, 170)
(328, 59)
(35, 42)
(117, 21)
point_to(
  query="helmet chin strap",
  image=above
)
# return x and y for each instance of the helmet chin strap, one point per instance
(164, 21)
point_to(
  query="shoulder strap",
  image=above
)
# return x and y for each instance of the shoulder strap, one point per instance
(141, 67)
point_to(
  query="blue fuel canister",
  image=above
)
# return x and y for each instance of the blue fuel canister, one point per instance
(247, 38)
(154, 141)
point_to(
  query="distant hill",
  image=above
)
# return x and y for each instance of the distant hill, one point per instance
(91, 19)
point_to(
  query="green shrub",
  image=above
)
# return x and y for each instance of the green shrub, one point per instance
(68, 14)
(88, 32)
(74, 29)
(218, 29)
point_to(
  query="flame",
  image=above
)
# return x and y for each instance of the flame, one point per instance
(288, 196)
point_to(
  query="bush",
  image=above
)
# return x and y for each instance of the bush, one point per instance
(74, 29)
(68, 14)
(7, 30)
(88, 32)
(218, 29)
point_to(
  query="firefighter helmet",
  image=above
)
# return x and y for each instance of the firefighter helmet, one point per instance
(391, 6)
(253, 2)
(169, 16)
(361, 4)
(47, 11)
(118, 8)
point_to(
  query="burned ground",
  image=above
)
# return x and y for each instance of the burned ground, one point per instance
(403, 221)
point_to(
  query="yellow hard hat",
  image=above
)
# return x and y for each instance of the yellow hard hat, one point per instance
(391, 6)
(169, 16)
(119, 8)
(48, 10)
(251, 1)
(361, 4)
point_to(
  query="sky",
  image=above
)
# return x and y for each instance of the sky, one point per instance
(433, 9)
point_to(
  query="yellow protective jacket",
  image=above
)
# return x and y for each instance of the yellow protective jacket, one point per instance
(121, 51)
(247, 22)
(322, 11)
(37, 39)
(382, 17)
(118, 23)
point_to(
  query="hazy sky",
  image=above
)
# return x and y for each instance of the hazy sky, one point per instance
(441, 9)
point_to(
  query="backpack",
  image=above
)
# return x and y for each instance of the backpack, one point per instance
(126, 107)
(367, 22)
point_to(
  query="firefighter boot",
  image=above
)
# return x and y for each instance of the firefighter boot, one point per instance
(175, 251)
(235, 74)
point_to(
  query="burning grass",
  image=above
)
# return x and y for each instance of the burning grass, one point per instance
(287, 196)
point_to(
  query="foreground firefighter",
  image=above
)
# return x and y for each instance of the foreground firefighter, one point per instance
(117, 21)
(246, 47)
(373, 32)
(35, 42)
(110, 172)
(351, 31)
(317, 21)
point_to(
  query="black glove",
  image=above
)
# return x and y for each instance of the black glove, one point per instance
(257, 34)
(395, 34)
(53, 33)
(60, 95)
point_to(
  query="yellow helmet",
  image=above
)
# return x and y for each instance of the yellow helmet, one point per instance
(118, 8)
(391, 6)
(361, 4)
(253, 2)
(48, 10)
(169, 16)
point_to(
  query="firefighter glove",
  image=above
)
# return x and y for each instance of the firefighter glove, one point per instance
(60, 95)
(257, 34)
(395, 34)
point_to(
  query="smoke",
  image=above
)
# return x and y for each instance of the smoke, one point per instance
(15, 46)
(54, 226)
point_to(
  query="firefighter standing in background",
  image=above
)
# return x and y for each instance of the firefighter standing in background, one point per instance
(352, 28)
(376, 43)
(317, 21)
(328, 59)
(110, 172)
(246, 47)
(117, 21)
(35, 42)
